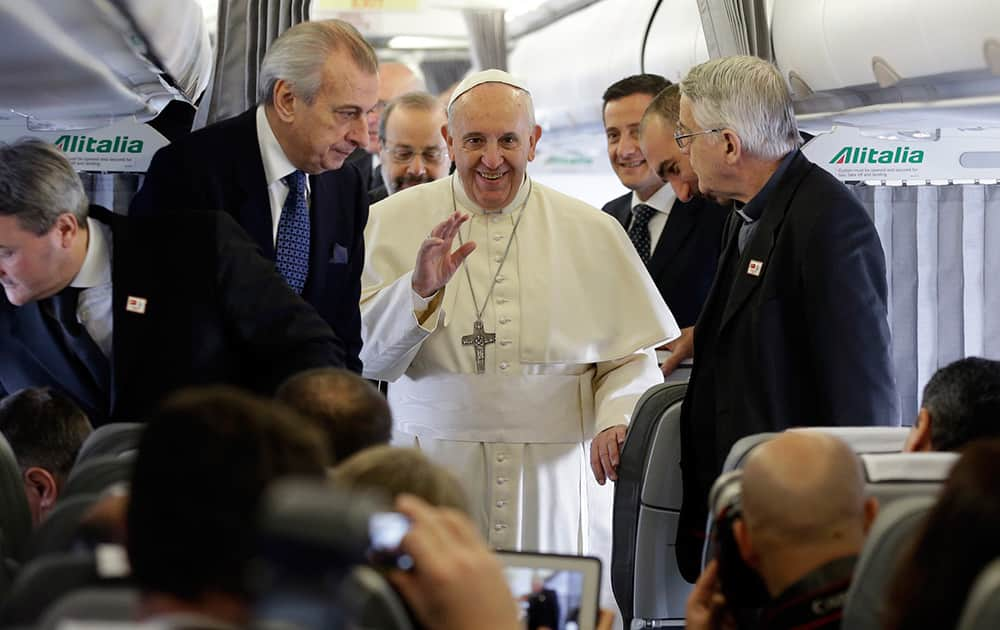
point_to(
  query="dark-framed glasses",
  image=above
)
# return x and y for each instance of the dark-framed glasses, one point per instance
(684, 140)
(405, 155)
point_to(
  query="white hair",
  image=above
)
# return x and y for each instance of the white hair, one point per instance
(747, 95)
(299, 55)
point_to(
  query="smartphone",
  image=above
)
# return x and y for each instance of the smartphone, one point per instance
(385, 534)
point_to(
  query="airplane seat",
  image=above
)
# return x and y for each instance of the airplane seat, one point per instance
(58, 531)
(115, 438)
(97, 474)
(119, 604)
(892, 476)
(645, 579)
(47, 578)
(893, 529)
(982, 607)
(15, 516)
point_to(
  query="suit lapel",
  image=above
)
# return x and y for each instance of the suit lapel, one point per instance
(255, 212)
(621, 209)
(753, 265)
(682, 219)
(323, 217)
(28, 327)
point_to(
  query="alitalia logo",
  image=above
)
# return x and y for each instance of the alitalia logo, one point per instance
(88, 144)
(871, 155)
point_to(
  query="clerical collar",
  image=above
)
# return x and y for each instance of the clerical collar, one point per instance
(753, 209)
(96, 268)
(463, 199)
(662, 200)
(277, 166)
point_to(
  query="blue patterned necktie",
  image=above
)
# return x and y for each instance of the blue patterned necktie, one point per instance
(638, 232)
(292, 245)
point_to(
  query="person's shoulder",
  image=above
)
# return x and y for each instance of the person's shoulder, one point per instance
(570, 208)
(224, 135)
(617, 203)
(414, 200)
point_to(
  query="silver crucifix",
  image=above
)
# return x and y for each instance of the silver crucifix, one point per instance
(479, 339)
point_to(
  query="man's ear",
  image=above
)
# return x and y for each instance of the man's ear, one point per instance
(734, 146)
(744, 544)
(449, 141)
(919, 438)
(536, 133)
(42, 485)
(284, 101)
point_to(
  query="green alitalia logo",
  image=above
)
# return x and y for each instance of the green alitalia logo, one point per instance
(872, 155)
(89, 144)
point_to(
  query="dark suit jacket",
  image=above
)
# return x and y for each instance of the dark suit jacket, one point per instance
(376, 195)
(803, 341)
(683, 261)
(216, 312)
(220, 168)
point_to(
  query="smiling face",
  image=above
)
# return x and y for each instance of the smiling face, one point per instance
(414, 151)
(665, 158)
(491, 139)
(621, 129)
(318, 136)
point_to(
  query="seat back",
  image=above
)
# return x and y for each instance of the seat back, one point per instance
(97, 474)
(892, 476)
(895, 527)
(58, 531)
(644, 575)
(15, 516)
(119, 604)
(49, 577)
(110, 439)
(860, 439)
(982, 608)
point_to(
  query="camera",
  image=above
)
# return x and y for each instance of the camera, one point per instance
(322, 552)
(741, 585)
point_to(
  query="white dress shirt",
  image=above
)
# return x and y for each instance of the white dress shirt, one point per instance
(93, 307)
(662, 200)
(276, 167)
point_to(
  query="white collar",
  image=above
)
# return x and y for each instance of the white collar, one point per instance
(96, 268)
(276, 164)
(463, 199)
(662, 200)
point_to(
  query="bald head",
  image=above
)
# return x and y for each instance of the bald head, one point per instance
(803, 487)
(396, 79)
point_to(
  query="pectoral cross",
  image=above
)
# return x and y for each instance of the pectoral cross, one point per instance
(479, 339)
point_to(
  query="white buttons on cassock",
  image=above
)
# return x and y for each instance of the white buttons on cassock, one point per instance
(504, 320)
(504, 365)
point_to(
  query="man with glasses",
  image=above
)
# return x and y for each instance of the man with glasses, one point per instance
(795, 328)
(413, 149)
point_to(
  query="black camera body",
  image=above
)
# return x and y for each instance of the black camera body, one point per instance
(741, 585)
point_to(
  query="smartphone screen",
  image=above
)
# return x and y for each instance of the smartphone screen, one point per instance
(385, 533)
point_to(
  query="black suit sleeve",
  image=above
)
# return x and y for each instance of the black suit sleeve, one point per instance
(353, 294)
(277, 331)
(159, 190)
(845, 290)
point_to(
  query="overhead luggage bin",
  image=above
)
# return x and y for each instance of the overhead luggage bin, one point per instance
(852, 61)
(88, 64)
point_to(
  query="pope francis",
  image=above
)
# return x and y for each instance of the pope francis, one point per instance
(516, 325)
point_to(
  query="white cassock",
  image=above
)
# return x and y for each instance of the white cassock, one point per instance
(575, 315)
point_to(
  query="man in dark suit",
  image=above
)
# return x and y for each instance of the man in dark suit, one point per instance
(277, 169)
(794, 331)
(119, 311)
(678, 238)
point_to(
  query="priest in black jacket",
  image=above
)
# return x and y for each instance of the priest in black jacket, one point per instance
(118, 312)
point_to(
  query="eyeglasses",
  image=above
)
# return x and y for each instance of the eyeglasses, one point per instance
(684, 139)
(405, 155)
